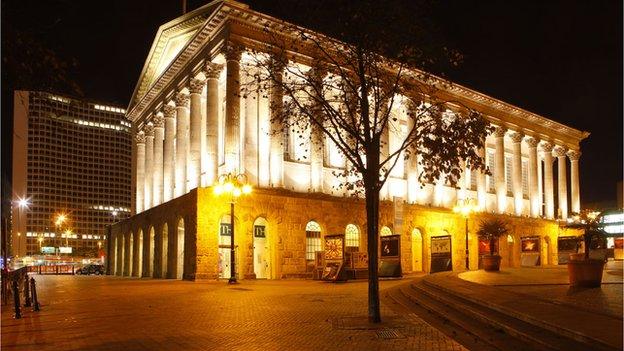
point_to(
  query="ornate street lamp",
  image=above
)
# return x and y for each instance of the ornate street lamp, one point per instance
(465, 207)
(234, 185)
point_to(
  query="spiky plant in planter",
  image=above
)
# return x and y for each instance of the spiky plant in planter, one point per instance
(492, 230)
(582, 270)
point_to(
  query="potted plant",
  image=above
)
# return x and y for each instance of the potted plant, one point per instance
(584, 271)
(492, 230)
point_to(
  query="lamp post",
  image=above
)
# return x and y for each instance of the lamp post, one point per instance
(22, 203)
(465, 207)
(234, 185)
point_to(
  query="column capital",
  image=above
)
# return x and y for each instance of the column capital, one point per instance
(169, 111)
(213, 70)
(499, 131)
(158, 121)
(182, 100)
(516, 137)
(149, 130)
(559, 151)
(532, 141)
(233, 51)
(196, 85)
(140, 137)
(574, 155)
(546, 146)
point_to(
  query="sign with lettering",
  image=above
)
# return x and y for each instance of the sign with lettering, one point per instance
(390, 246)
(441, 258)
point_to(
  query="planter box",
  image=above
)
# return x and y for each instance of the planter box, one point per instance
(491, 263)
(585, 273)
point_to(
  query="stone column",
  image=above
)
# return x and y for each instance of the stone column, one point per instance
(548, 180)
(232, 108)
(516, 175)
(574, 156)
(196, 86)
(212, 73)
(149, 165)
(140, 171)
(168, 155)
(481, 188)
(411, 163)
(159, 136)
(250, 140)
(182, 137)
(562, 181)
(384, 193)
(499, 171)
(317, 138)
(276, 107)
(534, 195)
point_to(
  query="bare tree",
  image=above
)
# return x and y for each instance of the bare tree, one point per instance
(329, 92)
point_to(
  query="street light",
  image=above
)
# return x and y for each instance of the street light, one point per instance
(234, 185)
(22, 203)
(465, 207)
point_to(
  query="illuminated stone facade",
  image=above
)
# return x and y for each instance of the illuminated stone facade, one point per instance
(191, 81)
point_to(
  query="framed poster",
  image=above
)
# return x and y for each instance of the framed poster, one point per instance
(484, 246)
(530, 244)
(391, 246)
(334, 247)
(359, 260)
(441, 258)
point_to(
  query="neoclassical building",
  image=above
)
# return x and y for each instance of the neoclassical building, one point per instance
(190, 126)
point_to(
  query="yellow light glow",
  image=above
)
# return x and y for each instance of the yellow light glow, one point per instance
(465, 207)
(23, 203)
(236, 192)
(228, 187)
(60, 219)
(246, 189)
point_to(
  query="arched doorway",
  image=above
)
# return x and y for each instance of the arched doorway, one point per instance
(417, 249)
(150, 259)
(180, 250)
(225, 238)
(312, 244)
(385, 231)
(510, 249)
(138, 270)
(130, 254)
(164, 255)
(262, 268)
(352, 238)
(122, 257)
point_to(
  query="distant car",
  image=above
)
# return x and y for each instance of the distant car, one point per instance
(96, 269)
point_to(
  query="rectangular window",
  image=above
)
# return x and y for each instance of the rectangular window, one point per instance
(313, 244)
(490, 179)
(473, 179)
(508, 174)
(525, 178)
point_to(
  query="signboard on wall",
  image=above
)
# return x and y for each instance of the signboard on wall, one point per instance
(359, 260)
(484, 246)
(566, 245)
(530, 251)
(390, 265)
(65, 250)
(48, 250)
(441, 254)
(334, 247)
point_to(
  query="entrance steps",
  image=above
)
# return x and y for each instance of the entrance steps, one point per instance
(480, 318)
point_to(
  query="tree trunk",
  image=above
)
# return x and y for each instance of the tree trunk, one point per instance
(372, 229)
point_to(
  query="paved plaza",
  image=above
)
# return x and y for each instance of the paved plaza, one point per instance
(111, 313)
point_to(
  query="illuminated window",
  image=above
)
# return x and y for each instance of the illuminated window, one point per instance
(490, 163)
(525, 178)
(313, 239)
(385, 231)
(352, 236)
(508, 171)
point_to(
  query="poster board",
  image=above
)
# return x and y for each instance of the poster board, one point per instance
(390, 265)
(441, 257)
(566, 245)
(359, 260)
(530, 251)
(334, 257)
(484, 249)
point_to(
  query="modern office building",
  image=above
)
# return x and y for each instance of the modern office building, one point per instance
(191, 126)
(71, 173)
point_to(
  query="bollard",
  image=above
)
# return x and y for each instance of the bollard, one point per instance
(33, 288)
(27, 293)
(18, 312)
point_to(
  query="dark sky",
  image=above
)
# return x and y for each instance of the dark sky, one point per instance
(560, 59)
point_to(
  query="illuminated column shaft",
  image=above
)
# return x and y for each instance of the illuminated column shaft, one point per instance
(481, 188)
(276, 108)
(516, 175)
(196, 87)
(212, 72)
(159, 135)
(182, 137)
(251, 133)
(499, 169)
(562, 181)
(574, 180)
(168, 155)
(548, 180)
(149, 166)
(384, 194)
(316, 140)
(140, 171)
(534, 195)
(411, 165)
(232, 108)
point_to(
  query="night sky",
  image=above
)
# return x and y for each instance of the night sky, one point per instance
(560, 59)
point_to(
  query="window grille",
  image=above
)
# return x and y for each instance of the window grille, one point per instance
(352, 236)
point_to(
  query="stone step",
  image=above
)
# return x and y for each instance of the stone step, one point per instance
(535, 336)
(488, 298)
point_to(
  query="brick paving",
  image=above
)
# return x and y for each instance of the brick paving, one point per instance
(551, 283)
(111, 313)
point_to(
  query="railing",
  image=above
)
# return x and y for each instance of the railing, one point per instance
(53, 269)
(8, 277)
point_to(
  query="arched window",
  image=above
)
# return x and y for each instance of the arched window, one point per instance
(313, 239)
(352, 236)
(385, 231)
(510, 239)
